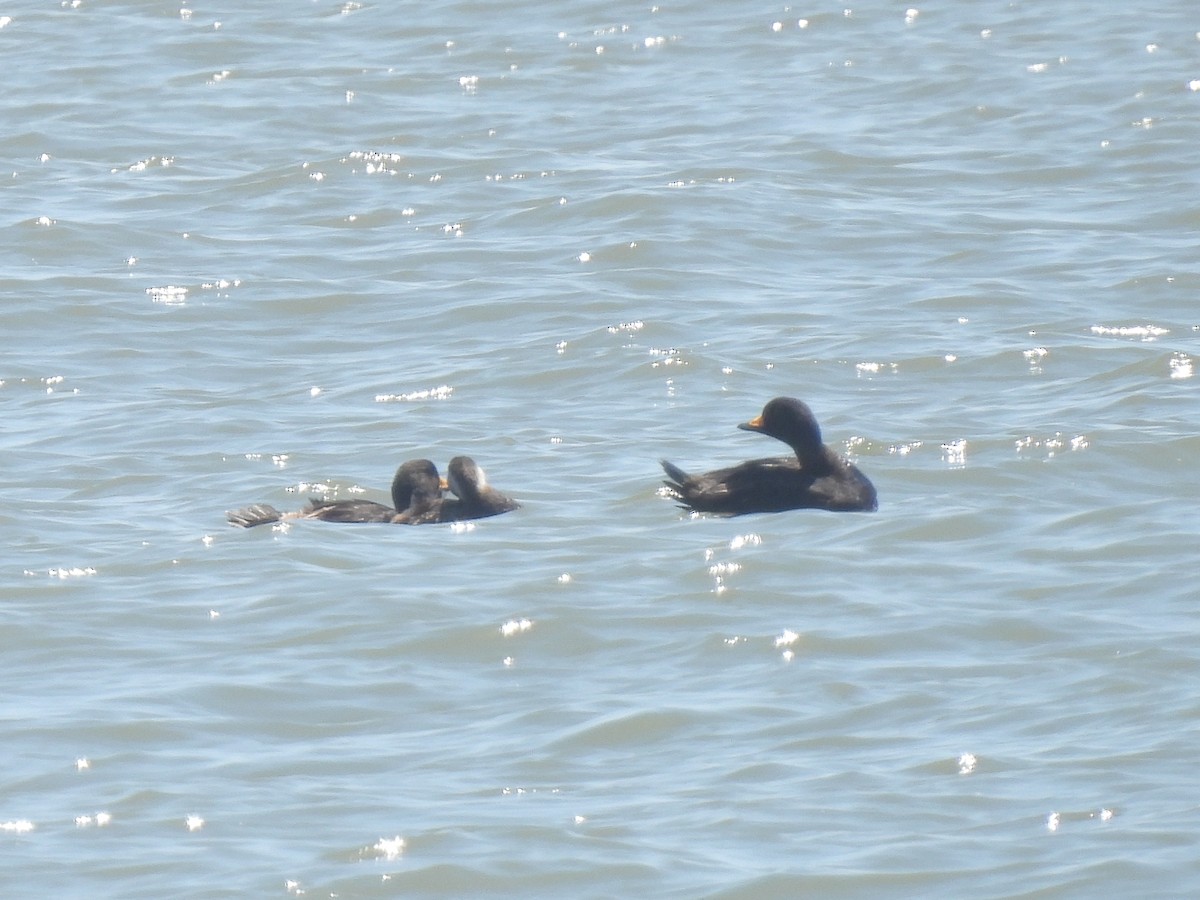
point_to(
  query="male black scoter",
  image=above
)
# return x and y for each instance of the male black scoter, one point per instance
(473, 498)
(416, 499)
(816, 478)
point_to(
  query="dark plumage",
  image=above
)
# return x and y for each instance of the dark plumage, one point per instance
(816, 478)
(473, 498)
(416, 499)
(424, 493)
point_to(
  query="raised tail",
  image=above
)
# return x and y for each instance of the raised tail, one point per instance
(675, 483)
(676, 474)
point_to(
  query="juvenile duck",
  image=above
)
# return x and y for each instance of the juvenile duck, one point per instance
(816, 478)
(473, 497)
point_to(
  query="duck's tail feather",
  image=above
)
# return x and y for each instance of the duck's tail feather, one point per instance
(676, 474)
(249, 516)
(675, 483)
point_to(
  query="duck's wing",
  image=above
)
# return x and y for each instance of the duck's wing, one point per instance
(845, 489)
(347, 511)
(746, 487)
(775, 485)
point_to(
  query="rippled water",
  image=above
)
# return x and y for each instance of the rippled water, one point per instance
(253, 253)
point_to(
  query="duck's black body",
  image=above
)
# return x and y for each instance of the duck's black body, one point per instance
(815, 478)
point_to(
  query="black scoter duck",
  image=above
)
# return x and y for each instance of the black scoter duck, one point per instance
(816, 478)
(416, 499)
(476, 499)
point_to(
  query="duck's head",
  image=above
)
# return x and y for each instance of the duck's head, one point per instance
(465, 478)
(416, 481)
(791, 421)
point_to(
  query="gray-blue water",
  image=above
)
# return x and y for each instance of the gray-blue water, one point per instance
(256, 252)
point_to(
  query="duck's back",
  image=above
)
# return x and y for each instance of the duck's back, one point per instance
(489, 502)
(774, 485)
(347, 511)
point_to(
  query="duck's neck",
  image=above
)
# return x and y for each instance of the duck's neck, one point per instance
(820, 460)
